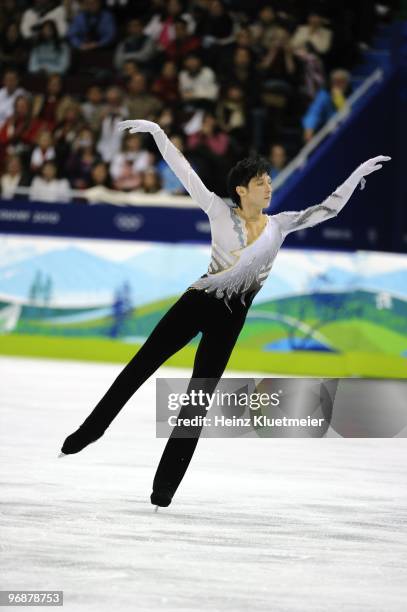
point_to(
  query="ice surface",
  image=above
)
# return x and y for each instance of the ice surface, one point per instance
(257, 524)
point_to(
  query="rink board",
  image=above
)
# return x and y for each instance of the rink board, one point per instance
(318, 313)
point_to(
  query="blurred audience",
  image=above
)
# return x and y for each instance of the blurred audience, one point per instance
(50, 106)
(41, 11)
(165, 86)
(92, 28)
(313, 35)
(13, 177)
(127, 166)
(8, 93)
(326, 103)
(47, 187)
(139, 101)
(114, 111)
(136, 46)
(222, 78)
(278, 159)
(151, 182)
(197, 83)
(49, 53)
(13, 48)
(44, 151)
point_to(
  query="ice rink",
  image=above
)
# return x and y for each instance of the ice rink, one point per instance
(257, 524)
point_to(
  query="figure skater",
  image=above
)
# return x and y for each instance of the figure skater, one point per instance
(245, 242)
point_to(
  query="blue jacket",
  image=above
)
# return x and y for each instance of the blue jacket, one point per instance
(81, 27)
(321, 109)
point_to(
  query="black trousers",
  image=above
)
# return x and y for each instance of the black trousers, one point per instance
(195, 311)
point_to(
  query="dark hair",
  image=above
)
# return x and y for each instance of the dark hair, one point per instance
(243, 172)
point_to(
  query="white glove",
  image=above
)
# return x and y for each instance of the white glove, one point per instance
(138, 125)
(369, 166)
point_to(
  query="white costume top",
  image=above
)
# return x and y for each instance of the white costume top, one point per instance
(237, 268)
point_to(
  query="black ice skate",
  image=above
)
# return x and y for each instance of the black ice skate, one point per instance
(78, 441)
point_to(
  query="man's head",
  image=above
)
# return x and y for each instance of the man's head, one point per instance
(137, 84)
(54, 84)
(315, 20)
(10, 80)
(339, 79)
(49, 171)
(181, 28)
(135, 27)
(249, 183)
(278, 156)
(114, 96)
(192, 63)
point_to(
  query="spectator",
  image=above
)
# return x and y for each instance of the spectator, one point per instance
(170, 183)
(50, 106)
(216, 29)
(211, 136)
(278, 159)
(110, 138)
(165, 86)
(8, 94)
(129, 68)
(231, 113)
(13, 51)
(211, 153)
(48, 188)
(100, 176)
(197, 82)
(166, 120)
(279, 66)
(127, 167)
(44, 151)
(92, 108)
(18, 133)
(326, 103)
(137, 46)
(280, 73)
(92, 28)
(161, 25)
(10, 10)
(44, 10)
(242, 72)
(139, 102)
(182, 44)
(265, 27)
(83, 158)
(244, 39)
(49, 53)
(151, 182)
(67, 128)
(313, 36)
(13, 177)
(313, 72)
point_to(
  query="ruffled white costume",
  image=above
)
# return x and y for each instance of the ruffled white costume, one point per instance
(236, 267)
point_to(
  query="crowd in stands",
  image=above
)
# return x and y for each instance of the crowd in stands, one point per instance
(223, 78)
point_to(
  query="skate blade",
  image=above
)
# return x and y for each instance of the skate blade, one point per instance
(61, 455)
(156, 509)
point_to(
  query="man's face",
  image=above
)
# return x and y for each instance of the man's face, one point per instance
(278, 156)
(192, 64)
(258, 191)
(10, 81)
(339, 83)
(137, 84)
(135, 27)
